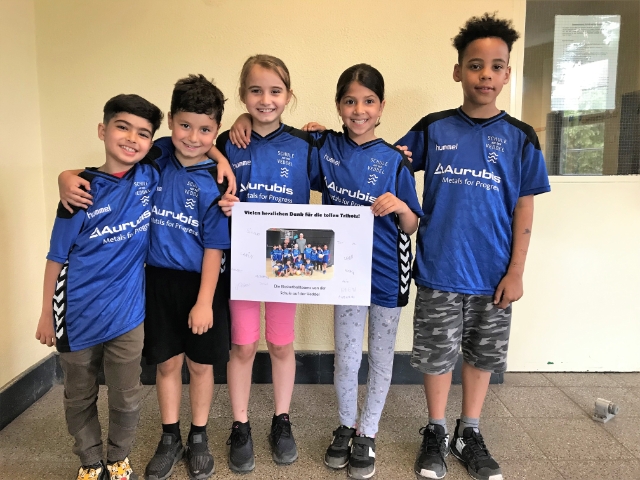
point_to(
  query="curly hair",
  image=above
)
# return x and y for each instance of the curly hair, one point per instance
(196, 94)
(484, 27)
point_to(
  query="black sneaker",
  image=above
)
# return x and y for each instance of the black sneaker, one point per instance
(168, 453)
(283, 445)
(97, 471)
(337, 455)
(241, 459)
(435, 447)
(362, 461)
(472, 452)
(199, 459)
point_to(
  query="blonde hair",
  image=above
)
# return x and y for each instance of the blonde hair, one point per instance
(268, 62)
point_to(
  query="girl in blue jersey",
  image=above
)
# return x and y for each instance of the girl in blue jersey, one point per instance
(278, 167)
(388, 187)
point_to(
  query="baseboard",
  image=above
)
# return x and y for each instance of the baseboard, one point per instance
(24, 390)
(311, 368)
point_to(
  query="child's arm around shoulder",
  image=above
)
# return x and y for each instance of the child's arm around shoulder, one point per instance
(74, 190)
(510, 288)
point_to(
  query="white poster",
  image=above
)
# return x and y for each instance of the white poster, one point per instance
(301, 253)
(585, 62)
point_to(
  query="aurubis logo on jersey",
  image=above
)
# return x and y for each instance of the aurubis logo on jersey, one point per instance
(275, 188)
(181, 217)
(111, 229)
(487, 175)
(362, 196)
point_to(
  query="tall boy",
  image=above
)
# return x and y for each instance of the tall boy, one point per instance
(95, 277)
(187, 300)
(482, 169)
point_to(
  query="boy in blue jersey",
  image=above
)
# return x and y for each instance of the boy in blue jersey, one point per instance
(187, 291)
(95, 278)
(308, 267)
(482, 170)
(325, 259)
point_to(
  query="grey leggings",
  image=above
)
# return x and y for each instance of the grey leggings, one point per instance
(349, 322)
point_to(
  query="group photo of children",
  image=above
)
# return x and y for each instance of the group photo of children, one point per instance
(300, 254)
(150, 222)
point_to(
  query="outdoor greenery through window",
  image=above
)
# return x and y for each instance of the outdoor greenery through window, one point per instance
(581, 88)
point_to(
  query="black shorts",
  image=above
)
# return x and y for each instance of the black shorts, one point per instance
(170, 295)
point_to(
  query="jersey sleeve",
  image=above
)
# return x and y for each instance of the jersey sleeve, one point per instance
(66, 228)
(415, 141)
(534, 179)
(315, 174)
(406, 188)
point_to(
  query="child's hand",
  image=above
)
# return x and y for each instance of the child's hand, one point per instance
(45, 331)
(313, 127)
(225, 171)
(71, 191)
(509, 290)
(201, 318)
(388, 203)
(226, 203)
(404, 149)
(240, 132)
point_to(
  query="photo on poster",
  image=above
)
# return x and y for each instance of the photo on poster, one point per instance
(303, 254)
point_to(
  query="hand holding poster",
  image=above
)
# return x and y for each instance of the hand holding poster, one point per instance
(301, 253)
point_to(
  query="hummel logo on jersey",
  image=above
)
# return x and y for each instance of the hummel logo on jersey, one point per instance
(244, 163)
(492, 157)
(269, 188)
(190, 203)
(446, 147)
(332, 160)
(466, 171)
(98, 211)
(181, 217)
(373, 178)
(365, 197)
(107, 230)
(284, 172)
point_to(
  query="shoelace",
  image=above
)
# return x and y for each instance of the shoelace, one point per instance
(477, 446)
(238, 438)
(360, 450)
(432, 441)
(282, 429)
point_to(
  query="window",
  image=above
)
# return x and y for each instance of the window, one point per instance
(581, 90)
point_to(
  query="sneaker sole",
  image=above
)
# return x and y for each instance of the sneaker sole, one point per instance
(244, 468)
(431, 473)
(176, 459)
(203, 476)
(284, 460)
(471, 473)
(361, 475)
(337, 465)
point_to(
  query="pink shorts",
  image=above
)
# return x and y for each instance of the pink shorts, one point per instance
(245, 322)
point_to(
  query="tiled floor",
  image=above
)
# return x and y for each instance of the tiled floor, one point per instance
(537, 426)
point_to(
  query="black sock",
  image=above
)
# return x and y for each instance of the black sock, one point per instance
(196, 429)
(173, 428)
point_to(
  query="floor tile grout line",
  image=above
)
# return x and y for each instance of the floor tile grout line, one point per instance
(521, 426)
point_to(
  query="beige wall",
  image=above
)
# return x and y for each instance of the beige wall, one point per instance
(22, 236)
(90, 51)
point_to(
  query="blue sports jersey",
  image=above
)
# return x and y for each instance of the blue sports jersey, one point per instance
(100, 291)
(279, 168)
(286, 253)
(185, 216)
(357, 175)
(278, 255)
(298, 264)
(314, 256)
(325, 257)
(307, 252)
(475, 172)
(274, 255)
(296, 252)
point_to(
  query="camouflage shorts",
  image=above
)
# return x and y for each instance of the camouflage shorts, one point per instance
(445, 321)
